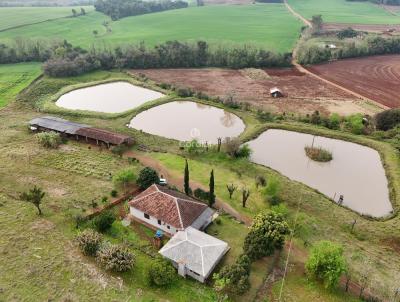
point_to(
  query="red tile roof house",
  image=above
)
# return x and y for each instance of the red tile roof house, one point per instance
(169, 210)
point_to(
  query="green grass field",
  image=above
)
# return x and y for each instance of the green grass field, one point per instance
(15, 77)
(17, 16)
(267, 25)
(341, 11)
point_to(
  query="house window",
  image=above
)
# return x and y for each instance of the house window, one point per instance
(147, 216)
(159, 221)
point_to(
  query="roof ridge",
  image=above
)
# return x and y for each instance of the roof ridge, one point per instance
(194, 201)
(179, 211)
(202, 261)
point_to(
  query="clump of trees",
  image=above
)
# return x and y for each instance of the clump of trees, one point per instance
(234, 148)
(118, 9)
(49, 140)
(161, 273)
(235, 278)
(267, 234)
(347, 33)
(103, 222)
(312, 53)
(147, 177)
(387, 119)
(326, 263)
(115, 258)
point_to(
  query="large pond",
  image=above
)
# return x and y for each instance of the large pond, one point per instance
(185, 121)
(113, 97)
(356, 172)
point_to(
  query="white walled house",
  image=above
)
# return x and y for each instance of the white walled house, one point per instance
(194, 253)
(169, 210)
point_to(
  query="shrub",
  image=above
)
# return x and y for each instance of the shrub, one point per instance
(318, 154)
(184, 92)
(264, 116)
(234, 148)
(161, 273)
(267, 233)
(334, 121)
(147, 177)
(244, 151)
(103, 222)
(114, 193)
(271, 191)
(49, 139)
(326, 263)
(387, 119)
(201, 194)
(115, 258)
(260, 181)
(89, 242)
(354, 123)
(347, 33)
(119, 150)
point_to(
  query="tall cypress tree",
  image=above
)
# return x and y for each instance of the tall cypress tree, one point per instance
(186, 179)
(211, 200)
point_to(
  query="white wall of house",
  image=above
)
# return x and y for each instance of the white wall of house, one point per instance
(153, 221)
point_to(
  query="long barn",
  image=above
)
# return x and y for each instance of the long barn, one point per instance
(79, 131)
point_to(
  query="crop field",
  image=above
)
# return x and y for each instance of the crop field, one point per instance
(268, 25)
(342, 11)
(375, 77)
(303, 93)
(14, 77)
(11, 17)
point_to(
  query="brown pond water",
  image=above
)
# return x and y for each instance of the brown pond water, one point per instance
(185, 121)
(113, 97)
(356, 171)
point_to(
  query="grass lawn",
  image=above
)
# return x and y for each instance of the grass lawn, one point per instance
(342, 11)
(14, 78)
(17, 16)
(267, 25)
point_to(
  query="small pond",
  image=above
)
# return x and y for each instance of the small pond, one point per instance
(356, 171)
(185, 121)
(113, 97)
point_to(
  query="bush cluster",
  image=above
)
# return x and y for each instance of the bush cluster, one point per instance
(387, 119)
(161, 273)
(89, 242)
(201, 194)
(103, 222)
(49, 139)
(115, 258)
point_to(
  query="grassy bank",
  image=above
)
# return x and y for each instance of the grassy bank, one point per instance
(14, 78)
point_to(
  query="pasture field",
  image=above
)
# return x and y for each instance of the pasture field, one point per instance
(342, 11)
(19, 16)
(15, 77)
(268, 25)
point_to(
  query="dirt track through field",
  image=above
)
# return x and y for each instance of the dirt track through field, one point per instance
(297, 15)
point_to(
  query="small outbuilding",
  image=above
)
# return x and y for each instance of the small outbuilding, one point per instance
(194, 253)
(276, 92)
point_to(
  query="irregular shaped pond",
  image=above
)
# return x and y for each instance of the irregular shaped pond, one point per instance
(113, 97)
(356, 171)
(186, 121)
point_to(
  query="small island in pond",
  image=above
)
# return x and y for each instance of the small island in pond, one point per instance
(318, 154)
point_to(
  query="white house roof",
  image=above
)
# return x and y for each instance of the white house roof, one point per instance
(199, 251)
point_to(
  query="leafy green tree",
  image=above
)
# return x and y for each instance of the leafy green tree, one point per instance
(35, 197)
(271, 191)
(317, 22)
(147, 177)
(83, 12)
(211, 200)
(124, 178)
(267, 234)
(387, 119)
(326, 263)
(161, 273)
(186, 179)
(74, 13)
(89, 242)
(231, 189)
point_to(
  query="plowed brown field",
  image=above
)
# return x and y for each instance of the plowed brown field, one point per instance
(303, 93)
(377, 77)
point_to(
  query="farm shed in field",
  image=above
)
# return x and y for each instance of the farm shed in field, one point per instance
(276, 92)
(78, 131)
(194, 253)
(169, 210)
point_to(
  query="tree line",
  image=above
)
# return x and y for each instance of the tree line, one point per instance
(312, 53)
(118, 9)
(385, 2)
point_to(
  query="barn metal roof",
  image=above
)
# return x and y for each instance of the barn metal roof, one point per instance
(57, 124)
(104, 135)
(198, 251)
